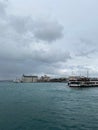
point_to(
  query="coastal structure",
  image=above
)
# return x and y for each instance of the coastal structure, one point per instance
(44, 78)
(29, 79)
(73, 81)
(59, 80)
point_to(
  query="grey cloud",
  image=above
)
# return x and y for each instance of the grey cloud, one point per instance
(18, 23)
(78, 69)
(24, 40)
(42, 30)
(19, 34)
(48, 31)
(3, 6)
(86, 41)
(21, 25)
(86, 53)
(20, 51)
(10, 69)
(51, 56)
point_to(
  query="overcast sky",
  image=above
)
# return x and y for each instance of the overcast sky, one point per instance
(53, 37)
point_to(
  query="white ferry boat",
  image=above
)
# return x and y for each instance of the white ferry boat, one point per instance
(82, 82)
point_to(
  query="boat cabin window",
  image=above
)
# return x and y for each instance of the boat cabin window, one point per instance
(75, 82)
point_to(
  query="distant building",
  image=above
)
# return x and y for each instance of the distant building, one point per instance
(29, 79)
(58, 80)
(45, 78)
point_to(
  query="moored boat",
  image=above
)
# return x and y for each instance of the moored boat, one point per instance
(82, 82)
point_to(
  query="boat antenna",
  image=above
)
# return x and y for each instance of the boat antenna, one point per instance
(87, 73)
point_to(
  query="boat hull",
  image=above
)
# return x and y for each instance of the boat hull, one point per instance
(83, 86)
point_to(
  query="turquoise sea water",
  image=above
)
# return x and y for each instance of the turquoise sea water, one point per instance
(47, 106)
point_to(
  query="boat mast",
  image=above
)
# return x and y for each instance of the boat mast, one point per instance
(87, 73)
